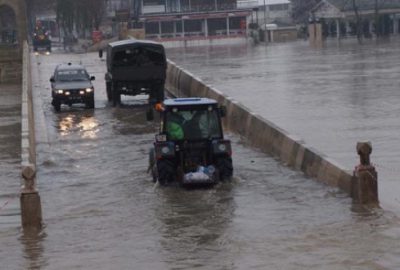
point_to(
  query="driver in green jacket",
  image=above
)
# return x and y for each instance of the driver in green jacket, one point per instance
(174, 126)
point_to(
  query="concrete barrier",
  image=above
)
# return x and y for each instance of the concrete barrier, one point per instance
(31, 210)
(263, 134)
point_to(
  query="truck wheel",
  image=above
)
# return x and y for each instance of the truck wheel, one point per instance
(160, 93)
(165, 171)
(156, 94)
(225, 168)
(108, 90)
(116, 97)
(56, 105)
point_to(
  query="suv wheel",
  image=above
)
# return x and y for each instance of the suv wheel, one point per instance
(57, 105)
(225, 168)
(90, 103)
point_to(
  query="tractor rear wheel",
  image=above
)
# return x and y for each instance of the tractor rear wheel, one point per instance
(225, 168)
(165, 171)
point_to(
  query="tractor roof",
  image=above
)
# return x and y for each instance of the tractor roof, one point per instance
(189, 101)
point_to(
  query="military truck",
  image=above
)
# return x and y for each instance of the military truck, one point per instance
(135, 67)
(190, 148)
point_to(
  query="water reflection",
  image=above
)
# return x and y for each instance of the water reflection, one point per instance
(32, 244)
(86, 125)
(195, 222)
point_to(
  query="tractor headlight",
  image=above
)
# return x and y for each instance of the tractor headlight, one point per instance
(221, 147)
(165, 150)
(89, 90)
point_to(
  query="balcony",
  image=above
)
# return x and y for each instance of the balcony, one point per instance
(247, 3)
(153, 9)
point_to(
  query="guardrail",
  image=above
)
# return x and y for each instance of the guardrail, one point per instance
(31, 211)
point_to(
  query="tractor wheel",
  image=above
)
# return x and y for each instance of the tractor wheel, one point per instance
(225, 168)
(152, 165)
(165, 171)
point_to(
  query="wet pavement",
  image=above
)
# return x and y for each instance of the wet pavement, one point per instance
(331, 97)
(102, 211)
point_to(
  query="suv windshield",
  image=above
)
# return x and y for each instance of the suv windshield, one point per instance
(72, 75)
(143, 56)
(193, 125)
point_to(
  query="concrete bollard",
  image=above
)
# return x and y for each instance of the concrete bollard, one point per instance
(365, 181)
(31, 209)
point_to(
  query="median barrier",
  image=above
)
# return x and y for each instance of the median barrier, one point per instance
(31, 210)
(263, 134)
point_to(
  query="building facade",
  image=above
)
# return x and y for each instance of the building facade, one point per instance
(339, 18)
(268, 11)
(165, 20)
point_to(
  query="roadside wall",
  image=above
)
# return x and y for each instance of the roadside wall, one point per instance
(28, 144)
(261, 133)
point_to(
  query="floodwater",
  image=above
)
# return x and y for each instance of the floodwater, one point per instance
(332, 96)
(10, 155)
(102, 211)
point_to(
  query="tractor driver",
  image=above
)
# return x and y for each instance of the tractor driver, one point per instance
(175, 126)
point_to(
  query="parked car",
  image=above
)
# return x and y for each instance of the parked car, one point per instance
(190, 147)
(135, 67)
(71, 84)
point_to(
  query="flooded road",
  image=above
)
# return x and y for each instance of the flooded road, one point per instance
(102, 211)
(331, 97)
(10, 156)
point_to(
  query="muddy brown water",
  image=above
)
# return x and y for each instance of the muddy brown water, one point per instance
(102, 211)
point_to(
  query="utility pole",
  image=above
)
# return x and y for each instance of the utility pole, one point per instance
(265, 14)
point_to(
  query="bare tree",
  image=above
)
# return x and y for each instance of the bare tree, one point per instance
(81, 15)
(358, 21)
(301, 9)
(96, 11)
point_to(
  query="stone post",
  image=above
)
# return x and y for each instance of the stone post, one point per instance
(31, 210)
(365, 181)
